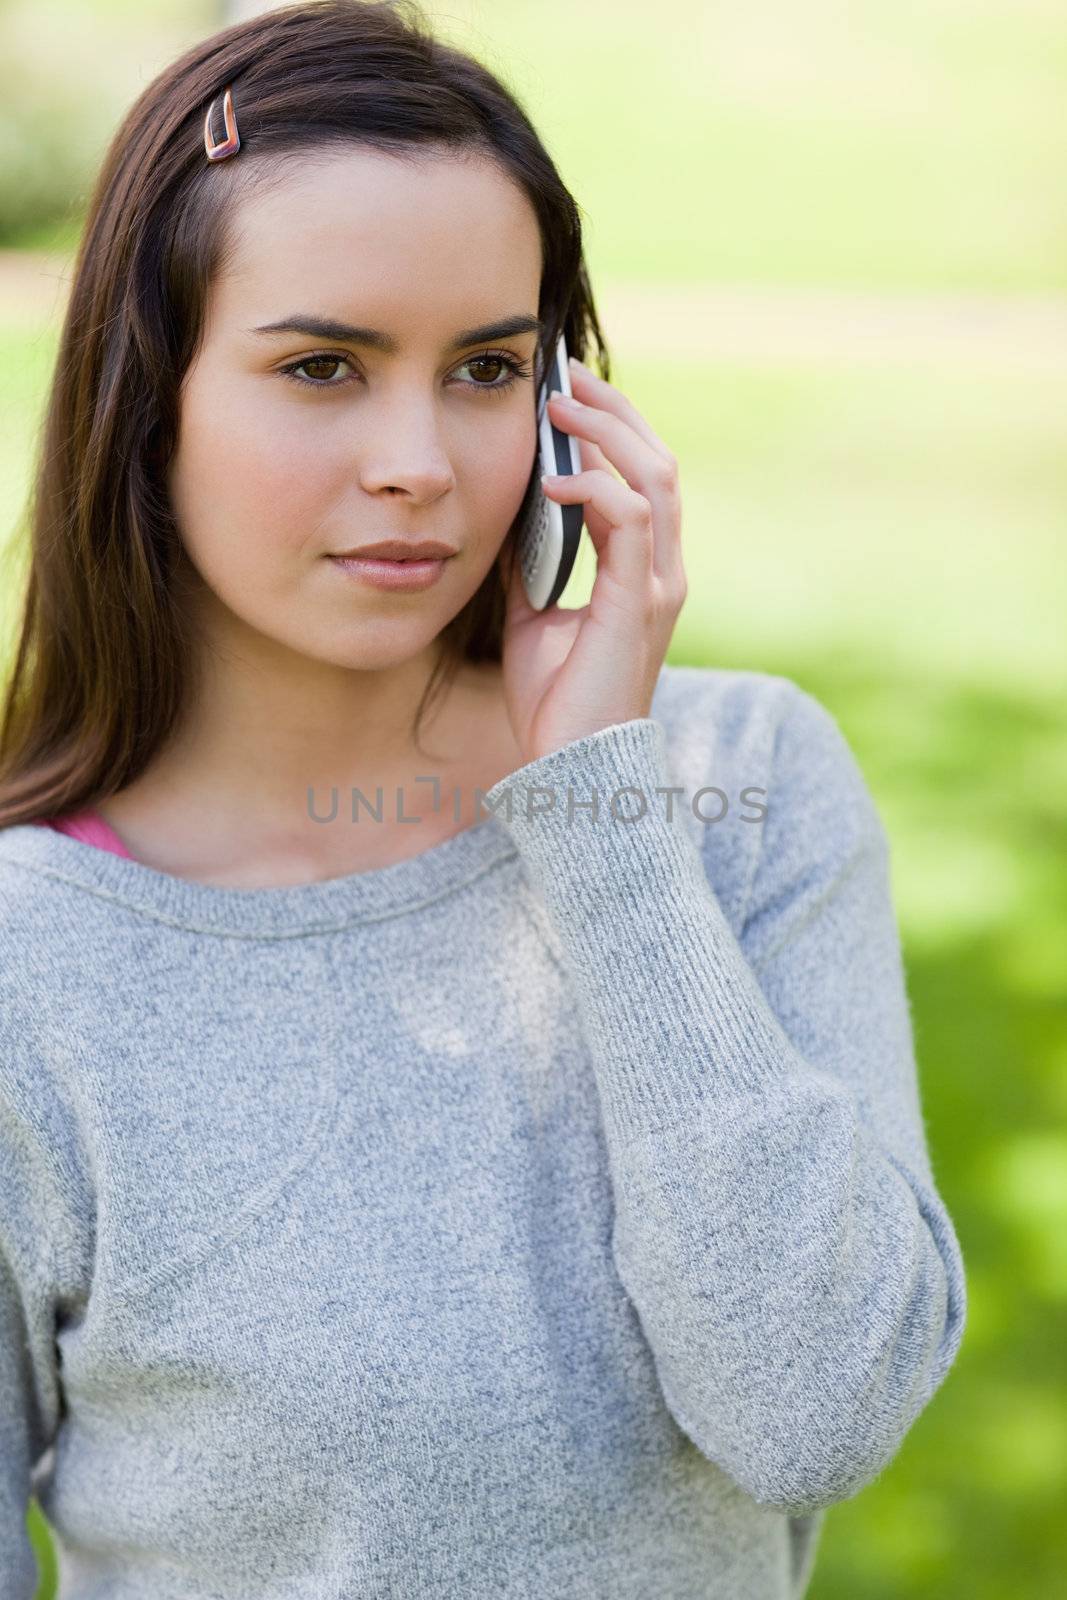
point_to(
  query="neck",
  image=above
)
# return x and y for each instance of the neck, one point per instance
(274, 743)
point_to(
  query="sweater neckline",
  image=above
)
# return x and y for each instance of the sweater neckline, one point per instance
(278, 912)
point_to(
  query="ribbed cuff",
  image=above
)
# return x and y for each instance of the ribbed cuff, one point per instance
(674, 1012)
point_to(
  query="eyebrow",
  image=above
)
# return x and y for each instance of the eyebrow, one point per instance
(326, 328)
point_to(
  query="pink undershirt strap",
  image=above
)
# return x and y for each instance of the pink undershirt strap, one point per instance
(90, 828)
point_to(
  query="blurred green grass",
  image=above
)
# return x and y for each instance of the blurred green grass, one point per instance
(882, 143)
(889, 537)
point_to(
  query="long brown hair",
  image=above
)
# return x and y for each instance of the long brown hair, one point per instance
(104, 659)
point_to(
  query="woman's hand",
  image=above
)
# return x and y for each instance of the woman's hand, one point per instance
(569, 673)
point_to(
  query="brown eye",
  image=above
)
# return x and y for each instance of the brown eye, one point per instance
(319, 362)
(320, 378)
(496, 362)
(507, 369)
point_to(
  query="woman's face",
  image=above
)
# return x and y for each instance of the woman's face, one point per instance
(276, 469)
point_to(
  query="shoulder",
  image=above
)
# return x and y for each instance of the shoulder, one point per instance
(718, 732)
(27, 911)
(735, 695)
(784, 729)
(718, 719)
(821, 799)
(43, 938)
(762, 734)
(42, 1180)
(741, 702)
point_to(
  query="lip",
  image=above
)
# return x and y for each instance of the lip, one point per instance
(401, 575)
(398, 550)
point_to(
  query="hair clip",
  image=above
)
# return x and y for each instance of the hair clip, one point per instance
(232, 142)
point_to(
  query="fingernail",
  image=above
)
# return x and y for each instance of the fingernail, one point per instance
(566, 399)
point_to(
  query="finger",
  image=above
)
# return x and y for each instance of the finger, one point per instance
(621, 533)
(593, 456)
(640, 468)
(597, 391)
(643, 468)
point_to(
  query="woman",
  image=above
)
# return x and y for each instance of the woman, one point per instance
(464, 1197)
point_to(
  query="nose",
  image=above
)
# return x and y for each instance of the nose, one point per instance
(401, 450)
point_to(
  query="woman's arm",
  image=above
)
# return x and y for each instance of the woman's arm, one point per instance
(22, 1433)
(35, 1237)
(777, 1227)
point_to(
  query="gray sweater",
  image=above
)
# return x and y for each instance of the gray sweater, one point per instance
(549, 1213)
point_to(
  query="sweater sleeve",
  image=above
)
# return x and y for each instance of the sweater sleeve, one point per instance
(777, 1226)
(30, 1391)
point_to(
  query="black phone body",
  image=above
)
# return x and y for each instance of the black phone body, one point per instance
(548, 534)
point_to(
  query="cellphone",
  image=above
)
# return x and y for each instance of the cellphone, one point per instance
(548, 533)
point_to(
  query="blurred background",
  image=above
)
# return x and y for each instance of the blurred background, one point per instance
(829, 247)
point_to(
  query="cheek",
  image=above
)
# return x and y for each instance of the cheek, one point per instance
(242, 483)
(493, 473)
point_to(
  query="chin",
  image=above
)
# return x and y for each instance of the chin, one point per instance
(374, 646)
